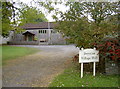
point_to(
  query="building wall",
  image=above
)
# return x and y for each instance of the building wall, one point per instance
(19, 37)
(57, 38)
(50, 38)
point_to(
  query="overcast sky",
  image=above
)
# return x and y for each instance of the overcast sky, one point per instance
(48, 16)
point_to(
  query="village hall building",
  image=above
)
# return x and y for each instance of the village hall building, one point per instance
(37, 34)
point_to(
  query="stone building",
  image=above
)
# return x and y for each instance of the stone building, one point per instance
(37, 34)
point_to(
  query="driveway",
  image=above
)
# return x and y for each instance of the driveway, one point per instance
(39, 69)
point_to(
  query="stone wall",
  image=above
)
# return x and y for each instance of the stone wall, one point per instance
(112, 67)
(23, 42)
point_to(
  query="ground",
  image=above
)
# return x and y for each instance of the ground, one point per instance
(39, 69)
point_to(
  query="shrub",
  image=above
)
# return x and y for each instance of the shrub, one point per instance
(109, 49)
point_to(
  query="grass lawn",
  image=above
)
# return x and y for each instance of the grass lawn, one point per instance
(12, 52)
(71, 78)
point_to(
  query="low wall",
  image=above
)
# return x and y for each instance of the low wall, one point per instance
(112, 67)
(36, 43)
(23, 42)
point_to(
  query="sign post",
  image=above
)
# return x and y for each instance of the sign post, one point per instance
(81, 70)
(94, 69)
(86, 56)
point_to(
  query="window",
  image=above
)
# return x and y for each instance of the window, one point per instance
(43, 31)
(39, 31)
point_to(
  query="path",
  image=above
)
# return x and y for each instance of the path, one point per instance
(38, 69)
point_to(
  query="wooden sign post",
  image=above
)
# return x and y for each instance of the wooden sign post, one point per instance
(86, 56)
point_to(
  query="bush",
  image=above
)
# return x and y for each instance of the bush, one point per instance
(109, 49)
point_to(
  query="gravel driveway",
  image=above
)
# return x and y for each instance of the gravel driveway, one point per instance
(39, 69)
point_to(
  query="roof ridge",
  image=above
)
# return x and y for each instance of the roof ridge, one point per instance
(40, 25)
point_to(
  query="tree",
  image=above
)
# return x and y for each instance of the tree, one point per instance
(31, 15)
(83, 31)
(12, 16)
(7, 10)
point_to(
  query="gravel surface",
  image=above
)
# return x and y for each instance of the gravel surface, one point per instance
(39, 69)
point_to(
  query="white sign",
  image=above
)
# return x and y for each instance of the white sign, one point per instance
(86, 56)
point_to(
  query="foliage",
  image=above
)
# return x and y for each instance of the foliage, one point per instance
(98, 11)
(13, 15)
(109, 49)
(7, 10)
(31, 15)
(87, 22)
(9, 17)
(83, 33)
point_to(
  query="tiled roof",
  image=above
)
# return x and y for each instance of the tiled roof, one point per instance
(41, 25)
(28, 33)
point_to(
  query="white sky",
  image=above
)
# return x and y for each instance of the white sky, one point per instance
(48, 16)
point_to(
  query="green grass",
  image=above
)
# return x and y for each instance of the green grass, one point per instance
(13, 52)
(71, 78)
